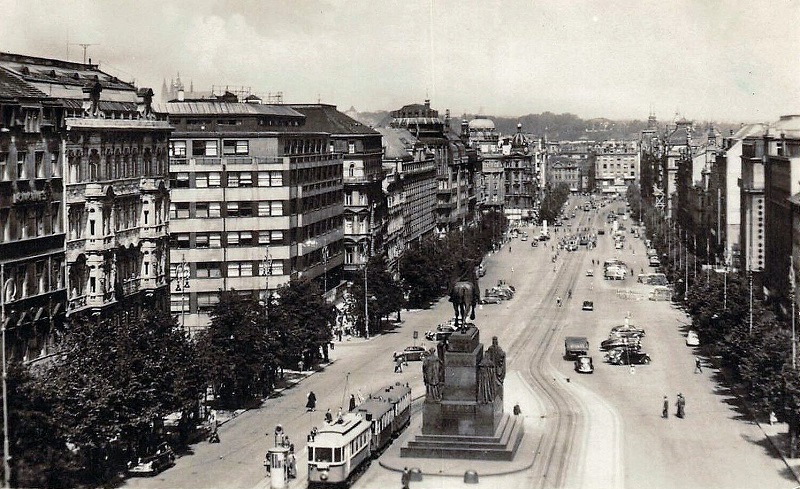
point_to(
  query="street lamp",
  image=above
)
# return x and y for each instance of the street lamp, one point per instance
(8, 292)
(182, 278)
(325, 270)
(366, 291)
(266, 271)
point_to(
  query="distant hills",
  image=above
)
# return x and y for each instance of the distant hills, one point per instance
(556, 126)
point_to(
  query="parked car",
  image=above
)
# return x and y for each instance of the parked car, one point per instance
(443, 331)
(692, 339)
(601, 231)
(629, 356)
(411, 354)
(162, 459)
(524, 237)
(583, 364)
(587, 306)
(590, 273)
(491, 299)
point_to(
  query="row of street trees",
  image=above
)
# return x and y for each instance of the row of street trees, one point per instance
(752, 343)
(102, 402)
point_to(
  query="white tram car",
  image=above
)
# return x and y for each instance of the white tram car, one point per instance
(339, 451)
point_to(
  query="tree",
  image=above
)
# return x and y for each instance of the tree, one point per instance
(381, 285)
(304, 323)
(115, 383)
(234, 350)
(553, 202)
(38, 445)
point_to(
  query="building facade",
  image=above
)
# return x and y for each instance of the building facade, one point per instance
(256, 201)
(83, 207)
(616, 166)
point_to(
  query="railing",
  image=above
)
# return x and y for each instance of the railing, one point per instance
(130, 286)
(77, 302)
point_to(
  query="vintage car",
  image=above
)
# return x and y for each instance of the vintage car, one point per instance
(692, 339)
(627, 328)
(491, 299)
(590, 272)
(411, 354)
(587, 306)
(583, 364)
(628, 356)
(150, 465)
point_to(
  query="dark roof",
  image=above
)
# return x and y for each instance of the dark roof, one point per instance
(12, 86)
(53, 71)
(397, 143)
(326, 118)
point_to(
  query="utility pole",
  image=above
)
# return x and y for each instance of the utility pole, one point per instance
(85, 46)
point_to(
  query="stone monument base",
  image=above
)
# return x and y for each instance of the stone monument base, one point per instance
(502, 444)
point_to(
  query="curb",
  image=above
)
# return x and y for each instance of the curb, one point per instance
(306, 374)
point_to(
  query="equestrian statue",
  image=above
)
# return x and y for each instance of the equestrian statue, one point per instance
(465, 292)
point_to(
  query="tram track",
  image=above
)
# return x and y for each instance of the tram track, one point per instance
(563, 414)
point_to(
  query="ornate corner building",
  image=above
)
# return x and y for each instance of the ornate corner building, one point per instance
(83, 199)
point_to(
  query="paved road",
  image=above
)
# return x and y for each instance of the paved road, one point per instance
(612, 418)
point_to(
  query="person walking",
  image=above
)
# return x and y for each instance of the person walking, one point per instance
(698, 365)
(405, 478)
(213, 427)
(681, 405)
(328, 416)
(311, 401)
(352, 406)
(665, 408)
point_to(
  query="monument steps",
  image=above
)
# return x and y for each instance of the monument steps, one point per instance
(500, 447)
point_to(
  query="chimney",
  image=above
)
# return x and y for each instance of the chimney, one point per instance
(181, 95)
(427, 103)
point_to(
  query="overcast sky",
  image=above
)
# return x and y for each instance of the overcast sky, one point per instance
(730, 60)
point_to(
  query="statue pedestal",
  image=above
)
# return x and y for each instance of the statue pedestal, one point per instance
(460, 425)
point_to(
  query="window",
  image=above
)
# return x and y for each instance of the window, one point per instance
(232, 209)
(246, 179)
(236, 148)
(39, 162)
(201, 180)
(245, 209)
(263, 209)
(208, 270)
(276, 179)
(214, 209)
(233, 239)
(181, 180)
(233, 179)
(206, 301)
(21, 164)
(233, 269)
(214, 179)
(181, 240)
(173, 210)
(4, 167)
(263, 179)
(204, 148)
(201, 210)
(201, 241)
(214, 240)
(182, 210)
(246, 238)
(177, 149)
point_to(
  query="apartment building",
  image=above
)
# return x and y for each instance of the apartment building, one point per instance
(362, 173)
(410, 189)
(84, 192)
(256, 201)
(616, 166)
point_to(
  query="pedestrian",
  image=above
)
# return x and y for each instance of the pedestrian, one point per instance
(681, 405)
(292, 463)
(328, 416)
(398, 364)
(509, 248)
(311, 401)
(405, 478)
(339, 416)
(512, 269)
(352, 406)
(213, 427)
(698, 365)
(665, 409)
(359, 397)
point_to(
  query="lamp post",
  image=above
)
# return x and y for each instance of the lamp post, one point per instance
(182, 278)
(325, 270)
(7, 293)
(267, 271)
(366, 292)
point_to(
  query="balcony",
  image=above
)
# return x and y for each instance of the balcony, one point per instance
(130, 286)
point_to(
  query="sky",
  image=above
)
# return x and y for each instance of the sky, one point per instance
(719, 60)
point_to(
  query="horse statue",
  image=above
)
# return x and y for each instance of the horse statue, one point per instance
(463, 297)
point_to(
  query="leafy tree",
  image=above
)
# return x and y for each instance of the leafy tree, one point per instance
(421, 274)
(303, 321)
(114, 385)
(380, 284)
(234, 350)
(38, 445)
(553, 202)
